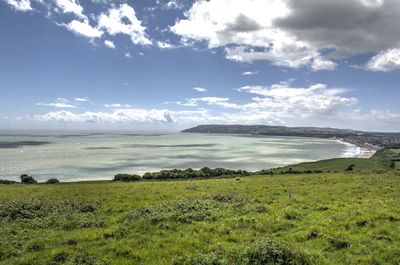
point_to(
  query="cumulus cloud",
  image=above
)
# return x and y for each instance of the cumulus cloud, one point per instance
(165, 45)
(20, 5)
(109, 44)
(218, 101)
(58, 103)
(385, 61)
(293, 33)
(71, 6)
(174, 4)
(84, 29)
(247, 28)
(123, 20)
(117, 105)
(200, 89)
(116, 116)
(280, 101)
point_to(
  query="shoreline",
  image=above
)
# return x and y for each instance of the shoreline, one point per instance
(363, 151)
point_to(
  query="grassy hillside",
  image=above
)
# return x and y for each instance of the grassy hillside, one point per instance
(327, 218)
(383, 160)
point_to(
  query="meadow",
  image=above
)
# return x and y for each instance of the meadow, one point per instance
(325, 218)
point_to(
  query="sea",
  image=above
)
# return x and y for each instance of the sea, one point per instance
(81, 155)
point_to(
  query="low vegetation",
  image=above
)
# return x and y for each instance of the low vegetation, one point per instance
(127, 177)
(337, 211)
(189, 173)
(326, 218)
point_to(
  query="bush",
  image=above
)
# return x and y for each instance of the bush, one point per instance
(267, 251)
(25, 179)
(190, 173)
(126, 177)
(52, 181)
(350, 168)
(7, 182)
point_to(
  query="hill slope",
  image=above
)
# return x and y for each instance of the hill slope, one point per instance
(351, 136)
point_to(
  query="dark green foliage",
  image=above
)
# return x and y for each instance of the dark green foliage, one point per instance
(338, 243)
(84, 259)
(35, 246)
(52, 181)
(393, 164)
(126, 177)
(267, 251)
(42, 213)
(7, 182)
(350, 167)
(25, 179)
(189, 173)
(262, 252)
(61, 257)
(293, 216)
(297, 172)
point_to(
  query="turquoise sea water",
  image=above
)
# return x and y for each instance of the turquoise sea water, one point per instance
(72, 156)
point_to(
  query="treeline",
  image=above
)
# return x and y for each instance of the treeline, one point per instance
(26, 179)
(189, 173)
(289, 171)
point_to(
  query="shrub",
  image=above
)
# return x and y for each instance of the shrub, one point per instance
(25, 179)
(267, 251)
(7, 182)
(52, 181)
(61, 257)
(84, 259)
(338, 243)
(350, 168)
(126, 177)
(189, 173)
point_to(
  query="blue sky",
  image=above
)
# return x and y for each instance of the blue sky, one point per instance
(172, 64)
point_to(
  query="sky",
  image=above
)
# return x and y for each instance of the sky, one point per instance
(173, 64)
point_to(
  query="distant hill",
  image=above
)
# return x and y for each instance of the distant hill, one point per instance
(380, 139)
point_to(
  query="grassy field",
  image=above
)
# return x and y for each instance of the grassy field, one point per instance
(326, 218)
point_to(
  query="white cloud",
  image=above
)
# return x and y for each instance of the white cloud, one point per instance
(115, 116)
(250, 73)
(128, 55)
(174, 4)
(164, 45)
(280, 101)
(294, 33)
(388, 60)
(58, 103)
(218, 101)
(322, 64)
(200, 89)
(123, 20)
(84, 29)
(81, 99)
(71, 6)
(20, 5)
(109, 44)
(117, 105)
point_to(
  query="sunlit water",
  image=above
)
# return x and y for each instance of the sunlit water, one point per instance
(92, 156)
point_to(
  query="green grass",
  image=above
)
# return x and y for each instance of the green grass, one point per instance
(327, 218)
(375, 165)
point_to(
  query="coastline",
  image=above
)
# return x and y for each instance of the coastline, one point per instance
(357, 150)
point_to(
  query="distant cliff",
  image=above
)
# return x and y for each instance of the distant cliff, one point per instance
(351, 136)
